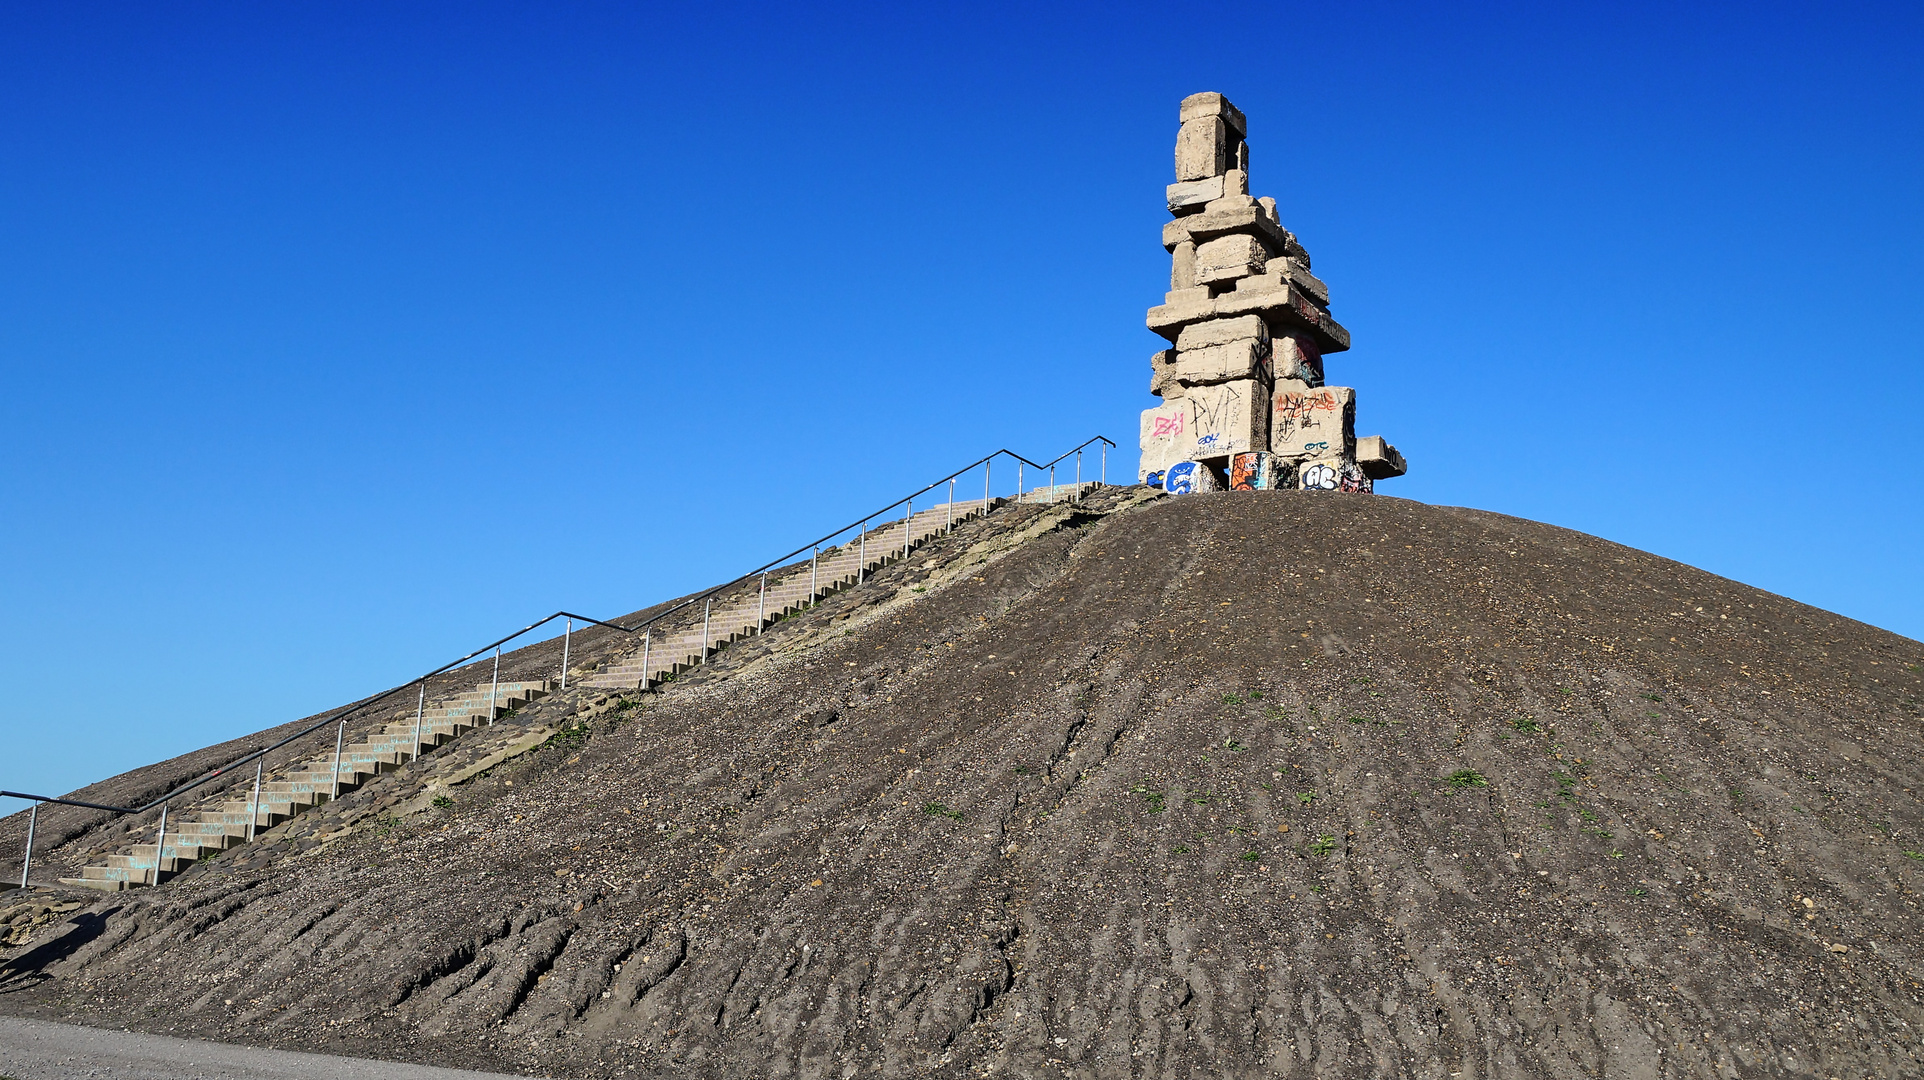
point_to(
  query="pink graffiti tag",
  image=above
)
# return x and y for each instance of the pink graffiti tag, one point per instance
(1167, 425)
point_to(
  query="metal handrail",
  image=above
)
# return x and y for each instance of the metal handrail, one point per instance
(340, 718)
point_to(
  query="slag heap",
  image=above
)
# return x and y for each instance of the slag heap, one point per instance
(1244, 402)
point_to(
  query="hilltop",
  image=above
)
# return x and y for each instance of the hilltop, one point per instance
(1271, 784)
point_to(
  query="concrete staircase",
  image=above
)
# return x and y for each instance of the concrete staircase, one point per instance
(232, 817)
(672, 651)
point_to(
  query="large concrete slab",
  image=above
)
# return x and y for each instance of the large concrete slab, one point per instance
(1312, 422)
(1191, 196)
(1202, 148)
(1227, 258)
(1284, 306)
(1378, 459)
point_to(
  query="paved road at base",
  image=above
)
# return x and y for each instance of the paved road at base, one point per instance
(40, 1050)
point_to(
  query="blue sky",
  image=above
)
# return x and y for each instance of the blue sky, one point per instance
(337, 339)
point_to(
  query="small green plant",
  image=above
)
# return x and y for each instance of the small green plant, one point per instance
(918, 588)
(1616, 854)
(1322, 845)
(1653, 697)
(1359, 719)
(1316, 888)
(1600, 833)
(1153, 798)
(1306, 797)
(443, 802)
(1526, 724)
(1233, 746)
(1255, 695)
(1180, 849)
(1639, 892)
(1464, 779)
(1021, 770)
(1914, 855)
(1200, 798)
(936, 809)
(1232, 699)
(1736, 794)
(1249, 856)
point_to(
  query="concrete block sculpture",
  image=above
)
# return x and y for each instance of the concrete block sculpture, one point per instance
(1244, 398)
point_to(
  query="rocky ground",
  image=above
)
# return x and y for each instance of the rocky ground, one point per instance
(1275, 784)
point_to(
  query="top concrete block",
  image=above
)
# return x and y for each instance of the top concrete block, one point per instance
(1210, 103)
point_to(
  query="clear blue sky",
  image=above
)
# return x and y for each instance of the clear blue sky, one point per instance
(338, 338)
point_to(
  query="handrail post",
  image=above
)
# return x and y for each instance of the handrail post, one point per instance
(647, 640)
(908, 527)
(567, 633)
(705, 605)
(1052, 483)
(160, 843)
(812, 560)
(420, 706)
(761, 606)
(494, 692)
(950, 527)
(339, 733)
(26, 860)
(1078, 475)
(1105, 464)
(987, 466)
(1018, 481)
(861, 553)
(254, 801)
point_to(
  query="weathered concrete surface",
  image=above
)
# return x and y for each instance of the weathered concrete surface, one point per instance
(1227, 418)
(1228, 258)
(1166, 436)
(1378, 459)
(1202, 146)
(1512, 802)
(43, 1050)
(1311, 422)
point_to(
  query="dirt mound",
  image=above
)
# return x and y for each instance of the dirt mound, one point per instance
(1245, 785)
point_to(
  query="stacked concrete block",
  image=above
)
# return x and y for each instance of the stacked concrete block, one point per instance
(1249, 327)
(1260, 470)
(1190, 478)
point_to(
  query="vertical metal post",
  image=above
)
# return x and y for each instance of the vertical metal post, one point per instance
(812, 560)
(861, 554)
(1018, 481)
(420, 707)
(26, 861)
(986, 466)
(567, 634)
(704, 630)
(1078, 476)
(647, 640)
(908, 528)
(339, 733)
(1052, 483)
(1105, 464)
(160, 844)
(761, 608)
(494, 692)
(951, 525)
(254, 800)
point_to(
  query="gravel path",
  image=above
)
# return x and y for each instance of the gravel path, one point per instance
(40, 1050)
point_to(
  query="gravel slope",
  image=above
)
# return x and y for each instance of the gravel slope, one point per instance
(1282, 784)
